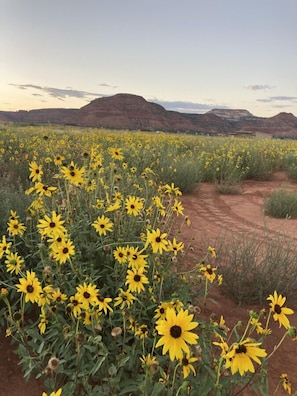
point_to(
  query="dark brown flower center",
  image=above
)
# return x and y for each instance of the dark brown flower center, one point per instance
(175, 331)
(65, 250)
(137, 278)
(87, 295)
(30, 289)
(185, 362)
(277, 309)
(52, 224)
(241, 349)
(158, 239)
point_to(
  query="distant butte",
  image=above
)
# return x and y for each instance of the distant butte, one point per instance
(133, 112)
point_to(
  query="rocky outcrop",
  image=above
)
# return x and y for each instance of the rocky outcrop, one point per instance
(126, 111)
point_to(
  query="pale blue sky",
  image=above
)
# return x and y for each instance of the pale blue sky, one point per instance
(189, 56)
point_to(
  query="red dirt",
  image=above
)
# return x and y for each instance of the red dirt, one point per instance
(210, 213)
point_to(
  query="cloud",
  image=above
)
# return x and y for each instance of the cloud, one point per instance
(59, 93)
(259, 87)
(108, 85)
(278, 99)
(188, 107)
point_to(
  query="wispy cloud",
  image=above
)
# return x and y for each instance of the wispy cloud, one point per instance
(108, 85)
(59, 93)
(271, 99)
(259, 87)
(188, 107)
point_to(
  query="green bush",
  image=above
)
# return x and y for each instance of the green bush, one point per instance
(281, 204)
(253, 267)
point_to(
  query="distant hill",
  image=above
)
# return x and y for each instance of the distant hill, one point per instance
(133, 112)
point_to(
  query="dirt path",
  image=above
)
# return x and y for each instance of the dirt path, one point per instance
(211, 214)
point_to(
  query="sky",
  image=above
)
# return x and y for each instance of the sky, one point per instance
(189, 56)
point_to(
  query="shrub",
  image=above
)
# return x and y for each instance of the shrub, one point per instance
(253, 267)
(281, 204)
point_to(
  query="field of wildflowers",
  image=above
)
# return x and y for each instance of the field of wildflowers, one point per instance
(93, 292)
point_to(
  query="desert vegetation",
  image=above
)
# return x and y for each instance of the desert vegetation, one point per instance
(94, 292)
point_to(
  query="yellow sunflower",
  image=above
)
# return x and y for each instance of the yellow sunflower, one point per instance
(30, 286)
(4, 246)
(74, 174)
(120, 254)
(52, 226)
(15, 227)
(102, 225)
(187, 366)
(57, 393)
(175, 330)
(133, 205)
(103, 304)
(174, 246)
(125, 299)
(240, 356)
(36, 171)
(13, 263)
(87, 294)
(280, 312)
(209, 272)
(63, 251)
(157, 240)
(136, 280)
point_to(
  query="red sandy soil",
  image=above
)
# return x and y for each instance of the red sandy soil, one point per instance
(210, 214)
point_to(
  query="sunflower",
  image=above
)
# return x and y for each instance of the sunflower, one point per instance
(44, 189)
(157, 240)
(186, 363)
(13, 263)
(135, 259)
(63, 251)
(43, 321)
(280, 312)
(240, 356)
(57, 393)
(120, 254)
(58, 160)
(174, 246)
(161, 310)
(208, 272)
(4, 246)
(73, 174)
(136, 280)
(102, 225)
(287, 386)
(133, 205)
(103, 304)
(76, 305)
(125, 299)
(52, 226)
(30, 286)
(172, 190)
(149, 361)
(58, 297)
(142, 331)
(35, 171)
(45, 295)
(175, 330)
(15, 227)
(178, 207)
(116, 153)
(87, 294)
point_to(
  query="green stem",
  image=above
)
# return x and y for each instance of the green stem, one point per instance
(174, 377)
(278, 345)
